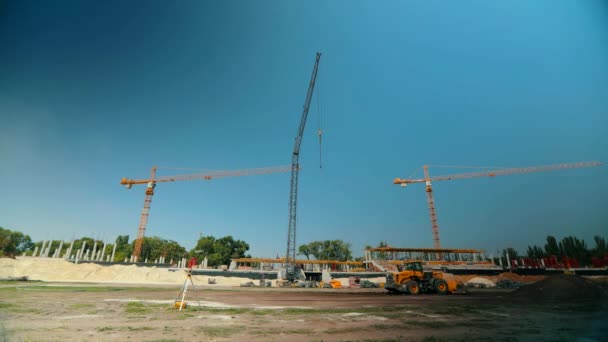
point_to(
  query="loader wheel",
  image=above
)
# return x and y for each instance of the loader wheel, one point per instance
(441, 286)
(412, 287)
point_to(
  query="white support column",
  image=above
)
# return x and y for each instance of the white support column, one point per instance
(103, 252)
(84, 244)
(94, 251)
(58, 252)
(113, 252)
(35, 251)
(42, 249)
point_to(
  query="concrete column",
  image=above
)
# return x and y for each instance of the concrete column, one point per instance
(42, 249)
(103, 252)
(94, 251)
(59, 249)
(69, 251)
(84, 244)
(113, 252)
(146, 261)
(35, 251)
(205, 262)
(508, 261)
(48, 248)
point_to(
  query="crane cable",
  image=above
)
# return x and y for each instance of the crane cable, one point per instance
(319, 131)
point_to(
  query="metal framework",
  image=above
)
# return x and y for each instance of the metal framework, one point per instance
(290, 257)
(151, 184)
(499, 172)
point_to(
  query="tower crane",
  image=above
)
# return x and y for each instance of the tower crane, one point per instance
(499, 172)
(151, 184)
(290, 257)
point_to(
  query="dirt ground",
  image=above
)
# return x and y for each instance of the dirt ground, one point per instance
(37, 311)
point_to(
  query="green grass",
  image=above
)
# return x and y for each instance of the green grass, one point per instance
(102, 329)
(136, 308)
(140, 328)
(77, 306)
(219, 331)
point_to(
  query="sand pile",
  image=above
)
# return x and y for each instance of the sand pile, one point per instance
(561, 287)
(481, 282)
(47, 269)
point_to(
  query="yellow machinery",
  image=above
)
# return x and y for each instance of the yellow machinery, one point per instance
(412, 279)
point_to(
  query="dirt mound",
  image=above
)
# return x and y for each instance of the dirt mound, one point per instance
(561, 287)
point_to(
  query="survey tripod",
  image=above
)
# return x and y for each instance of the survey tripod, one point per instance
(180, 300)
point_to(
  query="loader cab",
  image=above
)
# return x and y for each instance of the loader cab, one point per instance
(411, 266)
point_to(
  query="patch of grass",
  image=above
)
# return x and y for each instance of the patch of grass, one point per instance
(81, 306)
(102, 329)
(139, 328)
(297, 331)
(380, 326)
(336, 331)
(4, 305)
(427, 324)
(14, 308)
(136, 308)
(219, 331)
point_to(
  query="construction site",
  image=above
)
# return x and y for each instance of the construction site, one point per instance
(343, 300)
(417, 284)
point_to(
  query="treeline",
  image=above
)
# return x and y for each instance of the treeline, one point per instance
(14, 243)
(571, 247)
(218, 251)
(327, 250)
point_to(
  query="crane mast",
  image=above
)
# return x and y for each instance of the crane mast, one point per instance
(290, 257)
(499, 172)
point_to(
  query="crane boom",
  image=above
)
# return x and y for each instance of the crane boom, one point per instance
(151, 182)
(208, 175)
(290, 257)
(498, 172)
(502, 172)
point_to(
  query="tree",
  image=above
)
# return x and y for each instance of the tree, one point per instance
(551, 248)
(123, 248)
(535, 252)
(600, 246)
(571, 246)
(304, 250)
(328, 250)
(13, 242)
(219, 251)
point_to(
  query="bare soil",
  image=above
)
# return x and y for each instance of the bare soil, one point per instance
(36, 311)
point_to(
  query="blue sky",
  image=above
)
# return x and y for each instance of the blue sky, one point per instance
(93, 91)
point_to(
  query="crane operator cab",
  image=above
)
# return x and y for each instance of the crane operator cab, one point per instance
(150, 188)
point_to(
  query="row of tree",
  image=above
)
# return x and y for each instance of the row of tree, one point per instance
(571, 247)
(218, 251)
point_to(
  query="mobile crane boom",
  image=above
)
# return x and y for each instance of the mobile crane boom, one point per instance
(290, 257)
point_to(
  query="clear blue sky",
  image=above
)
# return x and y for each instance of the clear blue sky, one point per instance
(93, 91)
